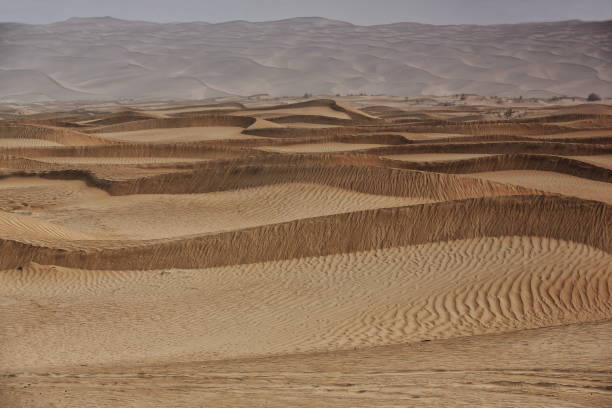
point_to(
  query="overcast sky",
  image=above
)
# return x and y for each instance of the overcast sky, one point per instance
(364, 12)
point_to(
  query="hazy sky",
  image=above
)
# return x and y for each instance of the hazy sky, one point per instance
(356, 11)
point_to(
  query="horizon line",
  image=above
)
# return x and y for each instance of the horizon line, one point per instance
(608, 19)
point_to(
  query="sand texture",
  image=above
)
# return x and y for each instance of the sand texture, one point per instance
(105, 58)
(306, 254)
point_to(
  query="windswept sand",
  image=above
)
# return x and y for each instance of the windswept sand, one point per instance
(604, 160)
(307, 111)
(320, 147)
(553, 182)
(104, 58)
(165, 256)
(434, 157)
(337, 302)
(179, 135)
(25, 142)
(118, 160)
(129, 217)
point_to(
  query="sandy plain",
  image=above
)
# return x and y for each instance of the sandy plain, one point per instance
(195, 256)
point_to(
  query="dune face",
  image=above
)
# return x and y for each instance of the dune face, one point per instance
(106, 58)
(305, 254)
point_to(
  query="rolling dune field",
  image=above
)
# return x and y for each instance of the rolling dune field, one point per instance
(106, 59)
(306, 254)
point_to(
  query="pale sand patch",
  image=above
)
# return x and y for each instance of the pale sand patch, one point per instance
(19, 142)
(552, 182)
(57, 317)
(175, 135)
(419, 136)
(130, 217)
(578, 134)
(429, 157)
(308, 110)
(455, 372)
(118, 160)
(27, 193)
(193, 109)
(602, 160)
(308, 125)
(429, 136)
(320, 147)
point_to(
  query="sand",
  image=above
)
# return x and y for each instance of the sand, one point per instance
(106, 59)
(308, 110)
(553, 182)
(129, 217)
(118, 160)
(223, 260)
(320, 147)
(178, 135)
(463, 372)
(328, 303)
(604, 160)
(434, 157)
(25, 142)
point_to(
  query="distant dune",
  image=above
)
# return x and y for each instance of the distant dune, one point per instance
(107, 58)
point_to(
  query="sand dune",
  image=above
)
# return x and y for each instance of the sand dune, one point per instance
(435, 157)
(306, 253)
(380, 228)
(109, 59)
(312, 304)
(48, 134)
(553, 182)
(599, 160)
(191, 134)
(22, 193)
(320, 147)
(118, 160)
(25, 142)
(307, 111)
(129, 217)
(465, 371)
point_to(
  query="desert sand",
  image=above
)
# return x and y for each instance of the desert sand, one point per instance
(244, 254)
(109, 59)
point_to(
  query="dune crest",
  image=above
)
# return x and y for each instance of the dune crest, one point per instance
(252, 254)
(80, 60)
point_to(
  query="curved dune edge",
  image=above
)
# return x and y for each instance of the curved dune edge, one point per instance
(232, 175)
(542, 216)
(29, 194)
(552, 182)
(337, 302)
(174, 150)
(170, 123)
(8, 143)
(353, 114)
(312, 119)
(601, 140)
(118, 118)
(128, 270)
(479, 128)
(186, 149)
(520, 147)
(435, 370)
(503, 162)
(58, 135)
(321, 147)
(89, 211)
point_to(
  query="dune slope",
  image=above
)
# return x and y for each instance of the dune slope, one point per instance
(249, 255)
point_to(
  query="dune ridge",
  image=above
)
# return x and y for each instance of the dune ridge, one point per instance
(368, 229)
(306, 253)
(80, 60)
